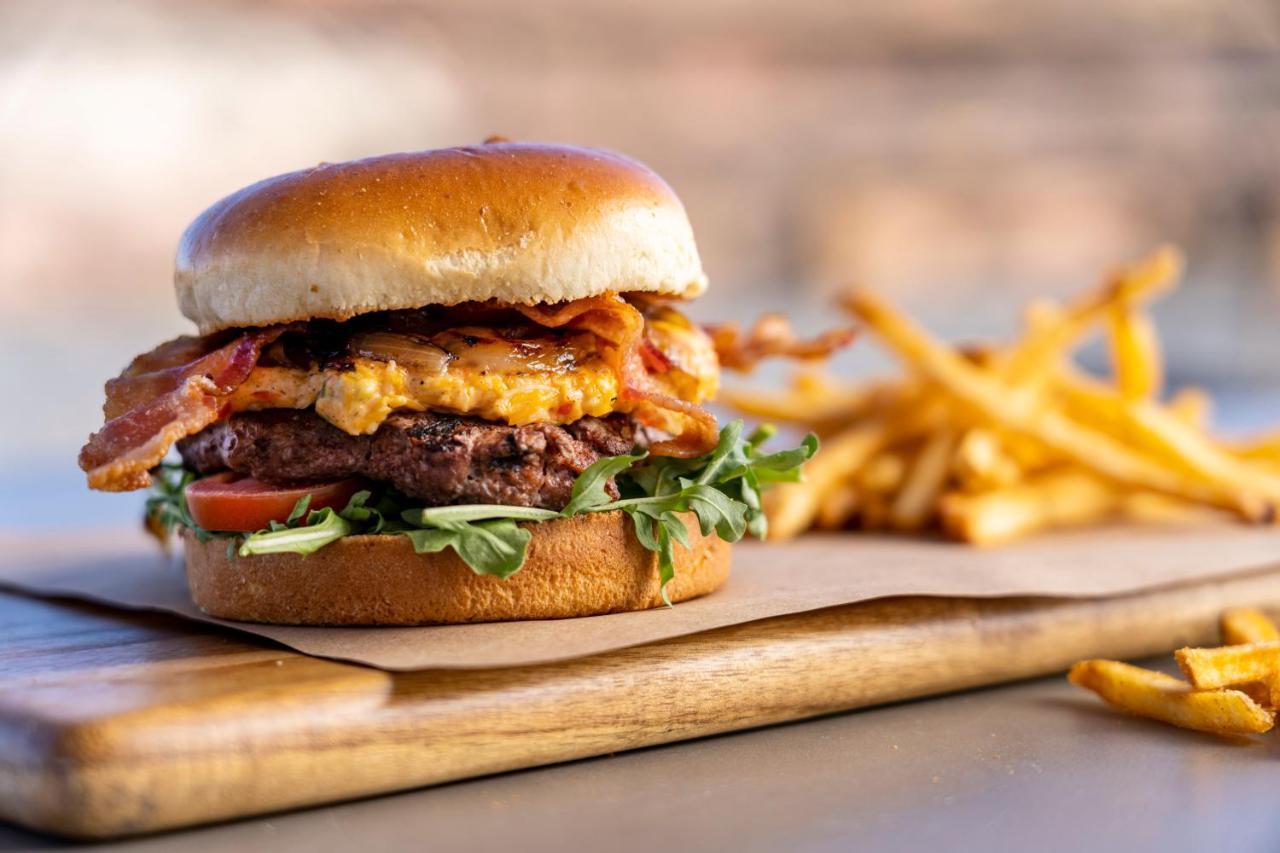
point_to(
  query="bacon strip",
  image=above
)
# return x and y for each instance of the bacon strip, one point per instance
(173, 391)
(770, 337)
(621, 325)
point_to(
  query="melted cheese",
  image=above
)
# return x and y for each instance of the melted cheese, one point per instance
(357, 401)
(695, 373)
(475, 382)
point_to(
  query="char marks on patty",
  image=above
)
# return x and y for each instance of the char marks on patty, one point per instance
(438, 459)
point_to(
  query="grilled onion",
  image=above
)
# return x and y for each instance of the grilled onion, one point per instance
(404, 350)
(485, 351)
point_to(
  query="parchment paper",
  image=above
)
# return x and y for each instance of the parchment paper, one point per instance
(767, 580)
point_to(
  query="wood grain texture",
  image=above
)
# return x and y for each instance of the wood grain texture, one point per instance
(115, 723)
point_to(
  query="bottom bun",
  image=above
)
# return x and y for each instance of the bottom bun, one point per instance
(580, 566)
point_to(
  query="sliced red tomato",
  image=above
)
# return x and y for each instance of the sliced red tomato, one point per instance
(229, 502)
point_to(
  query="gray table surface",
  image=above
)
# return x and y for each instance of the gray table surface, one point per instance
(1036, 766)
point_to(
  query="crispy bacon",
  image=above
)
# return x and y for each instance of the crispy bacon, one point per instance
(655, 361)
(183, 386)
(173, 391)
(772, 336)
(621, 325)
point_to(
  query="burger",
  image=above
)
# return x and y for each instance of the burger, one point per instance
(444, 386)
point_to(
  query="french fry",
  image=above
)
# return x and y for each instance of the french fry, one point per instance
(1153, 508)
(883, 474)
(1031, 442)
(840, 506)
(873, 514)
(1057, 498)
(1229, 665)
(1051, 337)
(804, 403)
(1030, 455)
(1242, 625)
(1168, 699)
(1192, 406)
(793, 507)
(1260, 692)
(1263, 449)
(1135, 353)
(915, 503)
(981, 462)
(1027, 414)
(1163, 435)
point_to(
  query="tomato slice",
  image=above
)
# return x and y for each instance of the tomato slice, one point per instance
(229, 502)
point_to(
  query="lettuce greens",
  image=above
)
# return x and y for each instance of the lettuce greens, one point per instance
(722, 489)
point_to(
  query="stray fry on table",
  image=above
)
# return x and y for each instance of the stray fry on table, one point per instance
(1247, 625)
(1229, 665)
(1230, 690)
(1162, 697)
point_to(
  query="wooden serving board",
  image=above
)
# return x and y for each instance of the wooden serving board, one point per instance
(115, 723)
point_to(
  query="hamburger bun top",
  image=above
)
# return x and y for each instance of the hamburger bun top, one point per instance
(516, 222)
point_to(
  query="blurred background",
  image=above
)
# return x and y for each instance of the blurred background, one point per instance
(961, 155)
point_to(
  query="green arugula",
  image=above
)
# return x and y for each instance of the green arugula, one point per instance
(722, 489)
(166, 507)
(321, 527)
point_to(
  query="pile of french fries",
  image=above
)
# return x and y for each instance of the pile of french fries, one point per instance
(992, 443)
(1230, 690)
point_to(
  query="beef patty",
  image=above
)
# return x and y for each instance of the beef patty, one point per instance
(438, 459)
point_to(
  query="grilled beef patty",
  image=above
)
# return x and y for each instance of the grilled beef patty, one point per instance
(439, 459)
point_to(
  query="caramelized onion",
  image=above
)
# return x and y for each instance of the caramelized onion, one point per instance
(404, 350)
(483, 350)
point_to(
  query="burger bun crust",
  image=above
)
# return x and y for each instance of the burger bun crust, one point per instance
(582, 566)
(519, 223)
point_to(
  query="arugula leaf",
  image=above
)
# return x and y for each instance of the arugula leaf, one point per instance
(729, 450)
(382, 517)
(323, 526)
(719, 512)
(722, 489)
(645, 530)
(675, 526)
(761, 434)
(666, 558)
(299, 510)
(590, 489)
(495, 547)
(485, 536)
(442, 516)
(166, 506)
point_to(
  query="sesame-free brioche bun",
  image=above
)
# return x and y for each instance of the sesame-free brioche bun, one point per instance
(516, 222)
(580, 566)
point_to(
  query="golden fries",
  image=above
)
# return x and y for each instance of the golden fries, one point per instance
(1057, 498)
(1229, 665)
(1135, 353)
(1242, 625)
(982, 463)
(1233, 689)
(1053, 333)
(1023, 412)
(1192, 406)
(839, 508)
(990, 443)
(793, 507)
(915, 502)
(1165, 698)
